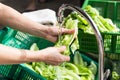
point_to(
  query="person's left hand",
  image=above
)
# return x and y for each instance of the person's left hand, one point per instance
(53, 32)
(51, 55)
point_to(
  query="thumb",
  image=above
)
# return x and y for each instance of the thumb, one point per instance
(62, 49)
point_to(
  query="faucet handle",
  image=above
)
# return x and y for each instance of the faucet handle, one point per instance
(106, 74)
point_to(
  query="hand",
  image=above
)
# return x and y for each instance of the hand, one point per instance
(53, 32)
(52, 55)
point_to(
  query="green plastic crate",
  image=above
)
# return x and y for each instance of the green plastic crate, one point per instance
(88, 42)
(22, 40)
(19, 39)
(21, 72)
(18, 72)
(9, 33)
(42, 43)
(107, 8)
(3, 32)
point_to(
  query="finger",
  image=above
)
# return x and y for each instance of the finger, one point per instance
(51, 38)
(61, 49)
(67, 31)
(66, 58)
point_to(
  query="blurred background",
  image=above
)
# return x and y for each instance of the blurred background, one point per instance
(21, 5)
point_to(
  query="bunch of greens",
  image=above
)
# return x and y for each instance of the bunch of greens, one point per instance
(115, 75)
(78, 70)
(103, 24)
(68, 39)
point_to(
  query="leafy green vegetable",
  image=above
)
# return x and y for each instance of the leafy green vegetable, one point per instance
(77, 60)
(115, 76)
(93, 67)
(65, 71)
(72, 67)
(34, 47)
(67, 39)
(103, 24)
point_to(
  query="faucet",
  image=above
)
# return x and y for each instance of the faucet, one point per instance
(101, 74)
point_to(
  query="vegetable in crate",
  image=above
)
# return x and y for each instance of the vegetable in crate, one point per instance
(65, 71)
(106, 27)
(115, 76)
(104, 24)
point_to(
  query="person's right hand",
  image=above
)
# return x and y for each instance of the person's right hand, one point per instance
(52, 55)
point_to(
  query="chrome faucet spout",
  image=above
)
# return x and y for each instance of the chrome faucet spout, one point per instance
(95, 29)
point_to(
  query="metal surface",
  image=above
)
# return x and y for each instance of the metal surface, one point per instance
(95, 29)
(60, 33)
